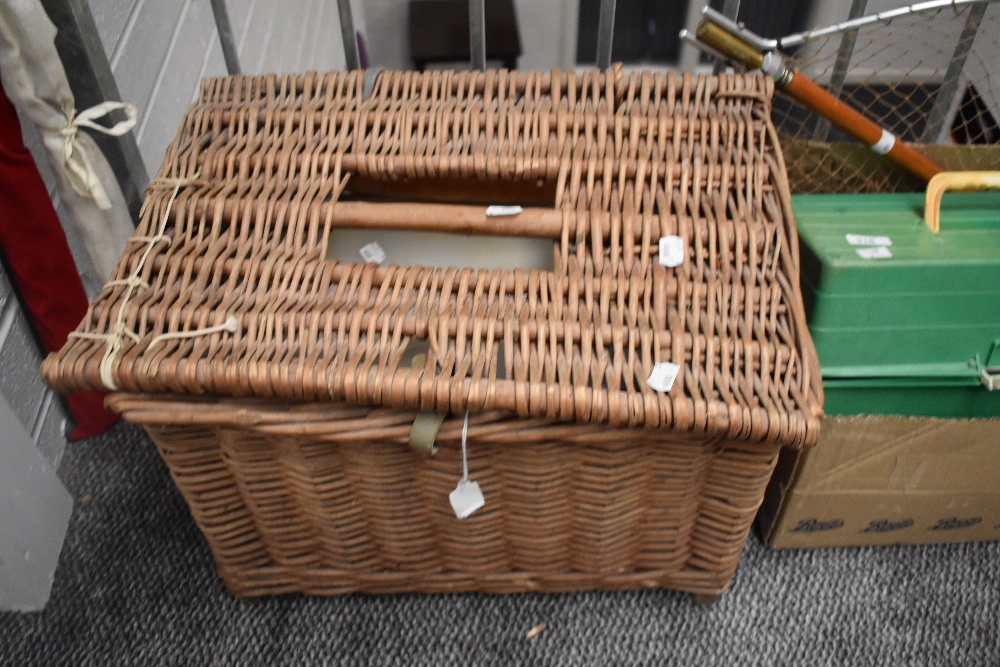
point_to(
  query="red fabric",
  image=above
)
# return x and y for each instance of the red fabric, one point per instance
(40, 262)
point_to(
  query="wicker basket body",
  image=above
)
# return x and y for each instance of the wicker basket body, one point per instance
(297, 468)
(328, 499)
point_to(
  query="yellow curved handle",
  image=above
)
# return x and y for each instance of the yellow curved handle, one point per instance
(954, 180)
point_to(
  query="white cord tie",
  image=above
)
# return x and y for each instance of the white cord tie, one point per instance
(467, 496)
(163, 182)
(116, 338)
(119, 331)
(465, 454)
(159, 238)
(231, 325)
(78, 169)
(131, 281)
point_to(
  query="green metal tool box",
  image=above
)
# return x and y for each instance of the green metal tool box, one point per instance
(905, 321)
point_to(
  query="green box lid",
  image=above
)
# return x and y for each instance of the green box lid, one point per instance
(910, 330)
(963, 257)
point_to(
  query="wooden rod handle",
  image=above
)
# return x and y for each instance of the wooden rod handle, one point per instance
(804, 90)
(531, 222)
(542, 223)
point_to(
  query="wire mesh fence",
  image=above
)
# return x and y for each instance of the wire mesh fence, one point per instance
(929, 76)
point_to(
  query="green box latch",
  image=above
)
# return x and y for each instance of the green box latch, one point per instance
(991, 374)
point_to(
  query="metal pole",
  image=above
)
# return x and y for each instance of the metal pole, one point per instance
(731, 10)
(881, 17)
(800, 88)
(949, 87)
(351, 57)
(605, 33)
(844, 55)
(226, 39)
(690, 53)
(477, 33)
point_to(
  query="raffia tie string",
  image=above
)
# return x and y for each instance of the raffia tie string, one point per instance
(116, 338)
(231, 325)
(78, 168)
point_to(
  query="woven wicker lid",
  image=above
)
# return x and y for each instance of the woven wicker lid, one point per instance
(226, 287)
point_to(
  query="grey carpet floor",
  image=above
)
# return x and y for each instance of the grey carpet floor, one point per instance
(136, 586)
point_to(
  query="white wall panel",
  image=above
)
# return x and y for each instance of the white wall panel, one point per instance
(161, 49)
(142, 50)
(111, 17)
(176, 81)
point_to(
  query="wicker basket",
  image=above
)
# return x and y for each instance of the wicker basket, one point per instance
(276, 382)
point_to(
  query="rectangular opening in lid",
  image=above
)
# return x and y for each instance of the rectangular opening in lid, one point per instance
(441, 250)
(444, 235)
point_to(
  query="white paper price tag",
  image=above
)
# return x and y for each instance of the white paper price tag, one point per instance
(373, 253)
(671, 251)
(663, 376)
(861, 239)
(500, 211)
(466, 498)
(878, 252)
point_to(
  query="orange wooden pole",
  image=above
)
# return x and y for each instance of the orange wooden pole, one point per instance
(802, 89)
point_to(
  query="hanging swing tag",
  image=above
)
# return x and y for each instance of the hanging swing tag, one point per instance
(466, 498)
(671, 251)
(663, 376)
(502, 211)
(373, 252)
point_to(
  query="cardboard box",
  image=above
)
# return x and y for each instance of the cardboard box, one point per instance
(887, 480)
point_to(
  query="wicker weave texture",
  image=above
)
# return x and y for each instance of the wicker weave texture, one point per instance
(236, 226)
(328, 499)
